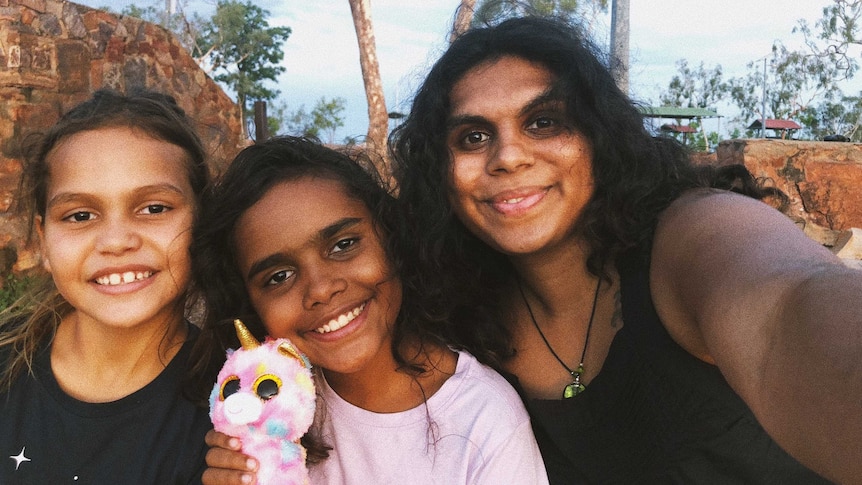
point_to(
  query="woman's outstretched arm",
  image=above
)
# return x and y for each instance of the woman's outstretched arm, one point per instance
(738, 284)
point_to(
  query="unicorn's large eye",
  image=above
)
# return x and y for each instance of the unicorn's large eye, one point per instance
(229, 386)
(267, 386)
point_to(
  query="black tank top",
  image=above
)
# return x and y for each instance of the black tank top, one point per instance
(657, 415)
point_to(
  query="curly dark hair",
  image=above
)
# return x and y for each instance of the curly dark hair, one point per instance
(636, 176)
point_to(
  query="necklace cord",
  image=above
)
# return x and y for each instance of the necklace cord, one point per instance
(575, 373)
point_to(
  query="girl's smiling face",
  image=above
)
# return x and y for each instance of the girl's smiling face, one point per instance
(317, 273)
(117, 226)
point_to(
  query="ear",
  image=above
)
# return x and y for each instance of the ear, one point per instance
(40, 232)
(287, 349)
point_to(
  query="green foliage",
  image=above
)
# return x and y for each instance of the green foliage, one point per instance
(804, 84)
(794, 80)
(695, 88)
(243, 50)
(327, 116)
(275, 119)
(14, 288)
(324, 119)
(184, 28)
(801, 84)
(834, 117)
(490, 11)
(838, 33)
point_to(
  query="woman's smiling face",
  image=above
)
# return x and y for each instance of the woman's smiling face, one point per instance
(520, 177)
(317, 273)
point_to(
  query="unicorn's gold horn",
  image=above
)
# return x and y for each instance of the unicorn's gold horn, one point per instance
(245, 337)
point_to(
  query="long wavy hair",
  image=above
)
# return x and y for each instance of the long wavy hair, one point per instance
(636, 176)
(28, 323)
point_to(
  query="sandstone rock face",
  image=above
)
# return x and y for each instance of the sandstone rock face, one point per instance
(54, 54)
(822, 179)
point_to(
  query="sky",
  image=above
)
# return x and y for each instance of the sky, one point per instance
(321, 56)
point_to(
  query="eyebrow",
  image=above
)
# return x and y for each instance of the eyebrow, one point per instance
(549, 96)
(322, 235)
(64, 197)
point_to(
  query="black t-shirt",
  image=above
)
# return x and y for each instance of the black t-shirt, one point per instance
(656, 415)
(153, 436)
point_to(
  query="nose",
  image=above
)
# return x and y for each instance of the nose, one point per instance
(510, 153)
(322, 285)
(117, 236)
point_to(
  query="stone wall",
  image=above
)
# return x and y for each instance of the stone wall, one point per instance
(54, 54)
(822, 179)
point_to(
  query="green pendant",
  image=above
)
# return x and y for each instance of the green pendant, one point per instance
(572, 390)
(575, 387)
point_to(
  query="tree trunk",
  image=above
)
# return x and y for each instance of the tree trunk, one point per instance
(462, 19)
(240, 100)
(620, 43)
(378, 118)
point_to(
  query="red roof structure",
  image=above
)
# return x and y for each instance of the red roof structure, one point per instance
(784, 127)
(776, 125)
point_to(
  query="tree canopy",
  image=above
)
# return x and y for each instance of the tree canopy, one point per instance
(802, 84)
(488, 11)
(243, 50)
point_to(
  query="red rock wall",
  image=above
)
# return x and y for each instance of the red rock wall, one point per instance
(54, 54)
(822, 179)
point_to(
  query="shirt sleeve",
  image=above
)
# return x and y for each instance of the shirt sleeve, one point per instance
(516, 461)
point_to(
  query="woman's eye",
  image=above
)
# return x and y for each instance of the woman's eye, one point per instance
(156, 209)
(344, 244)
(475, 137)
(543, 123)
(279, 277)
(80, 216)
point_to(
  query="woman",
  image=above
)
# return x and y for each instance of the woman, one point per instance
(653, 319)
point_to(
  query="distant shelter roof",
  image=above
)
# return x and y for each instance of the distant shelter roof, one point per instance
(674, 112)
(678, 128)
(776, 125)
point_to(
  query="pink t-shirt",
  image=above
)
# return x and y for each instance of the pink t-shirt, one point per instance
(474, 430)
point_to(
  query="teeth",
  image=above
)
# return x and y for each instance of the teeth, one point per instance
(341, 321)
(513, 201)
(114, 279)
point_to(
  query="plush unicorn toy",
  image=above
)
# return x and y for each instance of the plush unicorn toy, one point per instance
(264, 395)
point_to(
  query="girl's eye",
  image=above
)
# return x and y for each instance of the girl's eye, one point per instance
(80, 216)
(155, 209)
(279, 277)
(344, 245)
